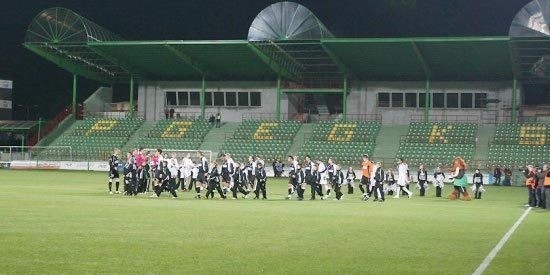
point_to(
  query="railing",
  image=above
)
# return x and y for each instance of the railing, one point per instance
(266, 116)
(447, 118)
(34, 153)
(113, 115)
(185, 115)
(51, 125)
(307, 118)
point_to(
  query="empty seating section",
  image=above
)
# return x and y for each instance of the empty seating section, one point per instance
(175, 135)
(437, 142)
(520, 144)
(267, 139)
(95, 138)
(345, 142)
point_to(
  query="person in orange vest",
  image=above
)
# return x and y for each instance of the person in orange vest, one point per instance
(366, 169)
(539, 192)
(531, 184)
(547, 187)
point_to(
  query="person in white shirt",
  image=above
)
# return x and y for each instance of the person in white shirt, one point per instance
(186, 166)
(402, 178)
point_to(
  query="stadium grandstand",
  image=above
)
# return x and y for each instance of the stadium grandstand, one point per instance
(293, 88)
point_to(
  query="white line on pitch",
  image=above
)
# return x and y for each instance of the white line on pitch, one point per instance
(487, 261)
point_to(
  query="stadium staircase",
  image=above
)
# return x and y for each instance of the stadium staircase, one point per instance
(517, 145)
(214, 140)
(385, 149)
(345, 142)
(65, 126)
(300, 138)
(437, 142)
(267, 139)
(484, 136)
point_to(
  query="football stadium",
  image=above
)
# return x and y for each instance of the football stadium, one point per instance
(290, 151)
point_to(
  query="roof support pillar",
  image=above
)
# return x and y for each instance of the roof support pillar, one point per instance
(132, 96)
(427, 101)
(201, 98)
(278, 101)
(514, 100)
(74, 96)
(345, 99)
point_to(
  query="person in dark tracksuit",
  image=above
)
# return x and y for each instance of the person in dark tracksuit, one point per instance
(422, 177)
(202, 170)
(166, 181)
(439, 177)
(391, 181)
(144, 177)
(228, 169)
(338, 181)
(239, 182)
(292, 183)
(300, 179)
(311, 177)
(477, 179)
(317, 176)
(350, 178)
(113, 172)
(379, 177)
(262, 181)
(214, 182)
(539, 192)
(130, 178)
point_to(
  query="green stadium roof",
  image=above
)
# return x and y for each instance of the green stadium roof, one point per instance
(444, 59)
(83, 48)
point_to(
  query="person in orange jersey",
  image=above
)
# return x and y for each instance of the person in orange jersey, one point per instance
(366, 171)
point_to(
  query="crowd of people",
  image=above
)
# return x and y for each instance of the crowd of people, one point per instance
(144, 172)
(158, 172)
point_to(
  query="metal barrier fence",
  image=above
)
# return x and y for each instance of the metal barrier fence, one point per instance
(447, 118)
(35, 153)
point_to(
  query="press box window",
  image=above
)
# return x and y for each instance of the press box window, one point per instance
(438, 100)
(466, 100)
(195, 98)
(397, 99)
(452, 100)
(231, 99)
(255, 99)
(218, 99)
(383, 100)
(243, 99)
(183, 98)
(410, 100)
(171, 98)
(208, 99)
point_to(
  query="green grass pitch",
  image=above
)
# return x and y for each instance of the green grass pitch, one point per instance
(66, 222)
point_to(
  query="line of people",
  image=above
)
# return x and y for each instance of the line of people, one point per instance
(143, 171)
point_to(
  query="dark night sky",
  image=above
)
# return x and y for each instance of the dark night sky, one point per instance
(38, 82)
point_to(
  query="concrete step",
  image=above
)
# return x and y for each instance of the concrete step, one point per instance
(484, 134)
(214, 140)
(303, 134)
(387, 142)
